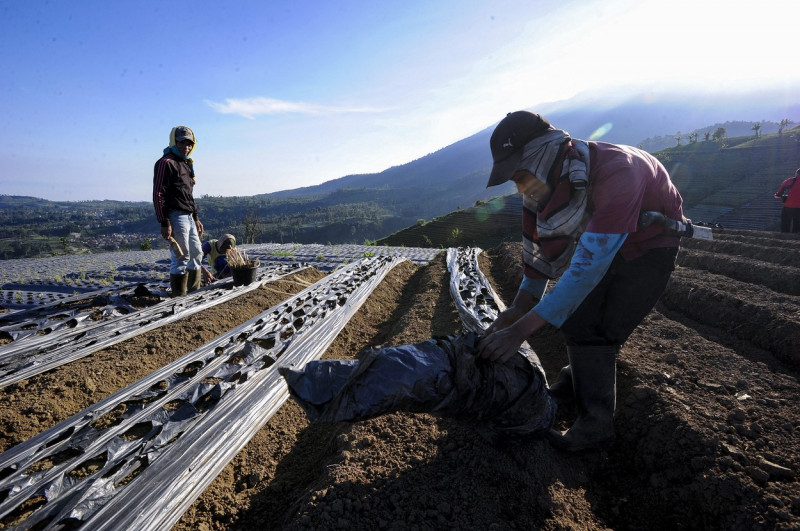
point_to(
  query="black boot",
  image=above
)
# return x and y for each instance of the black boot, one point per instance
(178, 285)
(193, 280)
(594, 377)
(562, 389)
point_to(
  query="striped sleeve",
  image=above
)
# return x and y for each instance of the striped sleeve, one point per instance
(159, 190)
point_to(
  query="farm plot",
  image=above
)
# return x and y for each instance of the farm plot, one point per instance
(73, 279)
(157, 432)
(708, 419)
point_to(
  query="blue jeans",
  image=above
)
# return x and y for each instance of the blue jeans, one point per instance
(184, 230)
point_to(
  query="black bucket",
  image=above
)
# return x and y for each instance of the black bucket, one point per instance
(243, 276)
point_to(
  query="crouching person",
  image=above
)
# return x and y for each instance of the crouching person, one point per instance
(581, 206)
(215, 251)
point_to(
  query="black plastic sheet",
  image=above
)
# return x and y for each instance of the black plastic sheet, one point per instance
(442, 376)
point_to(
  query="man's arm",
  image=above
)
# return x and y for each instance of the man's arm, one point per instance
(589, 264)
(529, 293)
(198, 224)
(161, 174)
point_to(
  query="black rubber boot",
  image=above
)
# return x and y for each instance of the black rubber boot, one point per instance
(178, 285)
(562, 389)
(594, 377)
(193, 280)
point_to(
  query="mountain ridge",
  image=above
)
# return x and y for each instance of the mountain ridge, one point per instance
(640, 120)
(369, 207)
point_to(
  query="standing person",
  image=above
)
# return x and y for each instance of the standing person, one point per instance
(173, 185)
(789, 193)
(581, 206)
(215, 251)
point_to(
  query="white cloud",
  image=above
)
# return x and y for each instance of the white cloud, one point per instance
(252, 107)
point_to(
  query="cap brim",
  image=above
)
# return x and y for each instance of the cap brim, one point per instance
(504, 170)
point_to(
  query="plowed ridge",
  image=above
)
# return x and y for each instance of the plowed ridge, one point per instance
(708, 414)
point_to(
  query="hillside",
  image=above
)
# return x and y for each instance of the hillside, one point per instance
(732, 129)
(707, 412)
(484, 225)
(732, 186)
(729, 181)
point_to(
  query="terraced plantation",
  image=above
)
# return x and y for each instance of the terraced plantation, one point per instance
(183, 425)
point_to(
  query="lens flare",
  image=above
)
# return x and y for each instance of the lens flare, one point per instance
(601, 131)
(484, 209)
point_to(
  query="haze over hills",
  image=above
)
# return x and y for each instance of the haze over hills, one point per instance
(635, 117)
(647, 120)
(455, 177)
(368, 207)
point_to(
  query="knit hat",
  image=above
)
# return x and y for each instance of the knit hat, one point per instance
(509, 137)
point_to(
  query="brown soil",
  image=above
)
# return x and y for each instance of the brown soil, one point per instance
(708, 414)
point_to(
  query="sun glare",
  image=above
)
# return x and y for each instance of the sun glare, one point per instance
(601, 131)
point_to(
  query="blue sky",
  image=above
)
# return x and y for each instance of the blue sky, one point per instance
(295, 93)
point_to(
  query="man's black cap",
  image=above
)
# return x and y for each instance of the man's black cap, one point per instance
(509, 137)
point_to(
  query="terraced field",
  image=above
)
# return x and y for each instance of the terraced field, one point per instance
(708, 411)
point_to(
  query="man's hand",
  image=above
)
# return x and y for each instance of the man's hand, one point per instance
(166, 231)
(199, 227)
(523, 302)
(208, 277)
(500, 346)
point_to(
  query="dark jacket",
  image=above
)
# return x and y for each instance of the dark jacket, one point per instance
(173, 184)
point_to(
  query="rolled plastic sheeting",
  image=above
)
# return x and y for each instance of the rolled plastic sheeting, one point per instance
(442, 376)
